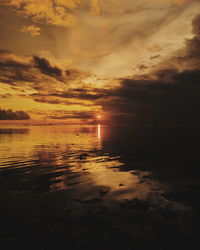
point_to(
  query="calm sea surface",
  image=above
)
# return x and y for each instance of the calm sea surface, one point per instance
(61, 168)
(86, 161)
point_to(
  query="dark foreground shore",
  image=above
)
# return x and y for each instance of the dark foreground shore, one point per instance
(130, 224)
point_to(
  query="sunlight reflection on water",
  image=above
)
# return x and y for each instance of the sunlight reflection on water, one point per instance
(99, 131)
(51, 158)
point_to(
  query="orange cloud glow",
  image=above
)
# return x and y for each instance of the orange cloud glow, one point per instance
(77, 59)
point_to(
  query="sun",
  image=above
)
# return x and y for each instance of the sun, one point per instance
(99, 116)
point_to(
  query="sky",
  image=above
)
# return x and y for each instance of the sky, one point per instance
(108, 61)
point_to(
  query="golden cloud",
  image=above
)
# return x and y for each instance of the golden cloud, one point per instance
(70, 4)
(53, 12)
(32, 29)
(178, 1)
(95, 7)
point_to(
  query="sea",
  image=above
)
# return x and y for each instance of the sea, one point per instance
(99, 186)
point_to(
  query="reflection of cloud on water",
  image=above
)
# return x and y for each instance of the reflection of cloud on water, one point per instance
(104, 171)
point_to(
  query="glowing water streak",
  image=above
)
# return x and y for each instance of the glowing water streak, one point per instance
(99, 131)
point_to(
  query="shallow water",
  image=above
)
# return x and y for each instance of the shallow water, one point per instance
(120, 160)
(81, 159)
(66, 157)
(68, 168)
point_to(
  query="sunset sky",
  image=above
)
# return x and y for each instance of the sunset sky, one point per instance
(79, 61)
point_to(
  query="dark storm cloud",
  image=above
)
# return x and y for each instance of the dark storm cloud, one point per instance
(189, 78)
(46, 68)
(157, 100)
(169, 94)
(11, 115)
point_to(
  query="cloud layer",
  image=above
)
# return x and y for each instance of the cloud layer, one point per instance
(121, 62)
(169, 94)
(11, 115)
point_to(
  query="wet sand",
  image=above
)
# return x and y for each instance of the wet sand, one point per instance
(99, 187)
